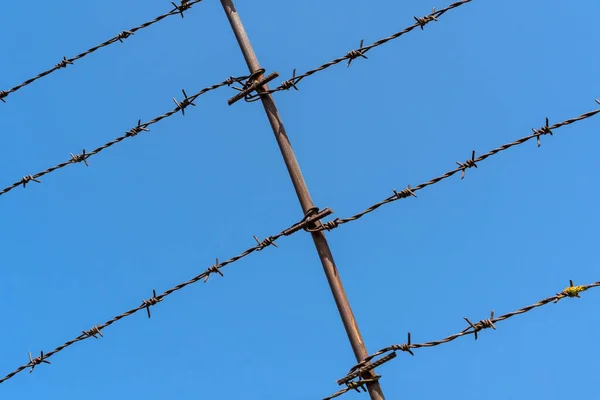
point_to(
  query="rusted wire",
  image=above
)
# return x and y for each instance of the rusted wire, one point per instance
(140, 127)
(177, 10)
(360, 52)
(250, 86)
(462, 167)
(473, 328)
(155, 299)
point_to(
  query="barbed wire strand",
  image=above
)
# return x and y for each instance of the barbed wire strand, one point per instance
(472, 329)
(177, 10)
(141, 127)
(462, 167)
(309, 219)
(360, 52)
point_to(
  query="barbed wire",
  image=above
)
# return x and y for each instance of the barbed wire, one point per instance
(313, 215)
(364, 366)
(462, 167)
(360, 52)
(310, 220)
(140, 127)
(177, 10)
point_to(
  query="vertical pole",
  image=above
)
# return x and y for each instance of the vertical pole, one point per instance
(306, 203)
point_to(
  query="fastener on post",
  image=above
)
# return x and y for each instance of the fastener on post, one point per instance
(252, 86)
(304, 198)
(360, 384)
(358, 372)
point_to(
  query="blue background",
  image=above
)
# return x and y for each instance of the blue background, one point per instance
(89, 243)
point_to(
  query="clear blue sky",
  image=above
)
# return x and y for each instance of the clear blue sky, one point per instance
(89, 243)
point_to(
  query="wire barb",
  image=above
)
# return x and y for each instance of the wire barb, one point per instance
(33, 362)
(483, 324)
(544, 130)
(213, 270)
(354, 54)
(137, 129)
(570, 291)
(63, 63)
(28, 178)
(406, 346)
(151, 302)
(80, 157)
(426, 19)
(123, 35)
(290, 83)
(404, 193)
(265, 243)
(182, 7)
(187, 101)
(467, 164)
(93, 332)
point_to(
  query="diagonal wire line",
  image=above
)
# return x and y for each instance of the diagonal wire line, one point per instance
(141, 127)
(310, 218)
(472, 329)
(177, 10)
(472, 162)
(360, 52)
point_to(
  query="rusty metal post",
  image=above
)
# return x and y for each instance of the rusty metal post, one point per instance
(293, 168)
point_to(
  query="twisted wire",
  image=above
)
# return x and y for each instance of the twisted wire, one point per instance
(177, 10)
(140, 127)
(473, 328)
(361, 51)
(155, 299)
(462, 167)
